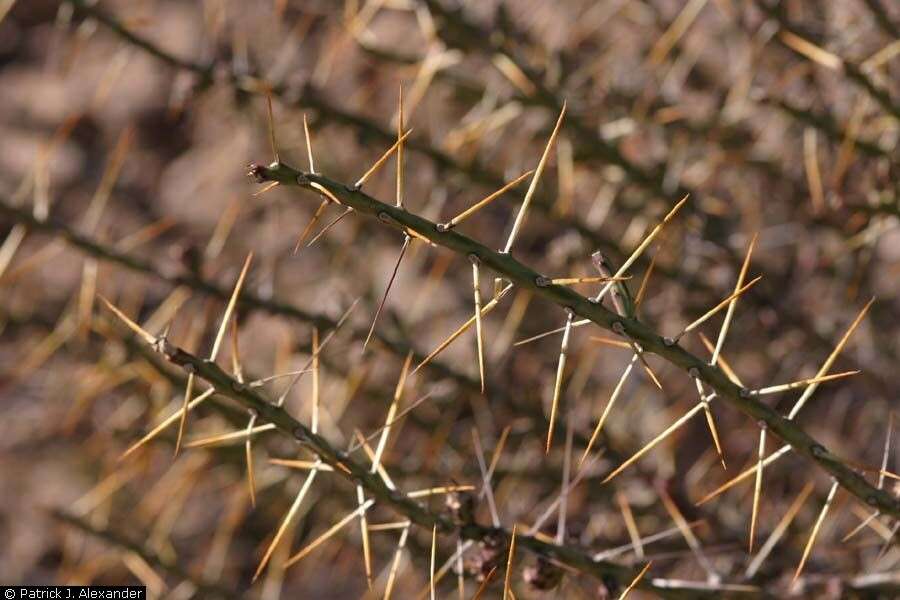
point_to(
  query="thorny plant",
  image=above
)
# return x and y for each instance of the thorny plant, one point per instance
(486, 552)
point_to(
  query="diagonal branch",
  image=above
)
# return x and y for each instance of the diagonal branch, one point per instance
(526, 278)
(377, 489)
(206, 589)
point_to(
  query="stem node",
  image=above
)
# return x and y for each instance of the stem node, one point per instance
(818, 450)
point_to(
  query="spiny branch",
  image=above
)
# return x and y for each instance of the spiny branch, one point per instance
(526, 278)
(377, 490)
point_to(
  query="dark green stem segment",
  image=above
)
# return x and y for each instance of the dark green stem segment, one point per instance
(526, 278)
(250, 398)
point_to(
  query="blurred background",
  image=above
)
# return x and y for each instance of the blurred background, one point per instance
(126, 131)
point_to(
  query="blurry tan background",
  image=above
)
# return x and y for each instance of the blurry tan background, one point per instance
(718, 99)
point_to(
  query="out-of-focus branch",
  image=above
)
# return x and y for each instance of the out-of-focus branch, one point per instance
(206, 589)
(457, 32)
(140, 265)
(883, 18)
(853, 72)
(827, 125)
(205, 71)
